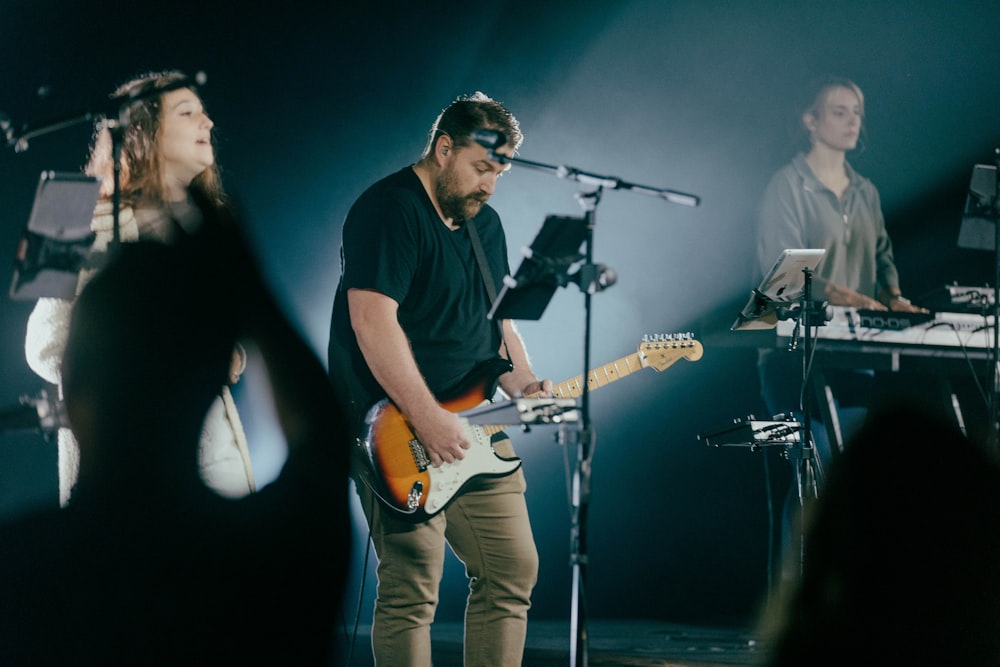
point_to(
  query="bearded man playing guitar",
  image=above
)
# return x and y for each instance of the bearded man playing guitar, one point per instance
(409, 329)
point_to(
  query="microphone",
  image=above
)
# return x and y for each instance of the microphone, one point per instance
(606, 277)
(489, 139)
(594, 278)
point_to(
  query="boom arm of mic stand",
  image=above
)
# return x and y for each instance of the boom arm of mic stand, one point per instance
(19, 140)
(672, 196)
(110, 108)
(601, 182)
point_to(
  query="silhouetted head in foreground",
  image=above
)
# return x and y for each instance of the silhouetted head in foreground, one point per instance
(150, 344)
(147, 565)
(902, 553)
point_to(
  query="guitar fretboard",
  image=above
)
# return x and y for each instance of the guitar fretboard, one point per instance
(657, 354)
(599, 377)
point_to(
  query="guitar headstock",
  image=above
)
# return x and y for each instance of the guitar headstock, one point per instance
(659, 351)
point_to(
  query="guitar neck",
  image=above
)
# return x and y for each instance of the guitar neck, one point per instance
(599, 377)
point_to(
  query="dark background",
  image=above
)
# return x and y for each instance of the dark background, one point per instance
(313, 105)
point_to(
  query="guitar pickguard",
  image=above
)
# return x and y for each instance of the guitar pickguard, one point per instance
(480, 459)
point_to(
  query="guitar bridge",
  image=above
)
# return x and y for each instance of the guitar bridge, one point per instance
(413, 498)
(419, 455)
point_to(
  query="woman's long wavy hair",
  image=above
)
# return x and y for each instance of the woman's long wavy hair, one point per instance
(141, 174)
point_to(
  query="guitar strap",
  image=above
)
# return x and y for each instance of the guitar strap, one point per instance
(484, 269)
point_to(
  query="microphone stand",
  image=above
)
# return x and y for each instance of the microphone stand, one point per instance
(993, 438)
(806, 466)
(101, 110)
(589, 178)
(589, 282)
(804, 457)
(580, 492)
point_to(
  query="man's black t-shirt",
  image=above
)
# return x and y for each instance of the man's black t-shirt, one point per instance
(395, 243)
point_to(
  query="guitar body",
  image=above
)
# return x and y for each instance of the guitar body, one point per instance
(405, 481)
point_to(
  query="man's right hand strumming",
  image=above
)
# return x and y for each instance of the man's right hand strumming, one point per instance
(443, 435)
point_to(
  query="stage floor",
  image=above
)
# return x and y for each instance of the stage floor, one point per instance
(618, 643)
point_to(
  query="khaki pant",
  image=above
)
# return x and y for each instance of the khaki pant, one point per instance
(487, 528)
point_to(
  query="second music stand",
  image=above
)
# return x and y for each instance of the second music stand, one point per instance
(786, 293)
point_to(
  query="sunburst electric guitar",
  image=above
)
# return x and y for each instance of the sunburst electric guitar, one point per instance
(398, 469)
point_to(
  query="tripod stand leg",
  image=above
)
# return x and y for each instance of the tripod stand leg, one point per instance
(956, 407)
(807, 470)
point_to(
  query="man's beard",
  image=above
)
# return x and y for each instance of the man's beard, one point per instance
(453, 203)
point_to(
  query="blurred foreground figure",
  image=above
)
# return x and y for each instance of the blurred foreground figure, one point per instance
(147, 565)
(902, 554)
(167, 159)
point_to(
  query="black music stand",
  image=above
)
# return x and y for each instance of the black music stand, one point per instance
(546, 267)
(56, 243)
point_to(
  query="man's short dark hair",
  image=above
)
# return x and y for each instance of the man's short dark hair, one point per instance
(473, 112)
